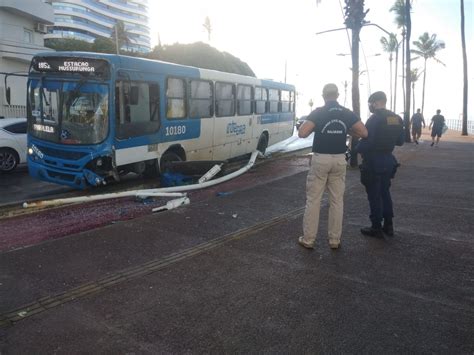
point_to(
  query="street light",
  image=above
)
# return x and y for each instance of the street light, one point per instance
(345, 54)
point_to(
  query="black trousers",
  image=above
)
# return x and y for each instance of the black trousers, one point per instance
(377, 187)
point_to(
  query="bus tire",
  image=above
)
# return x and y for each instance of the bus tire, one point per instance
(262, 143)
(152, 169)
(167, 158)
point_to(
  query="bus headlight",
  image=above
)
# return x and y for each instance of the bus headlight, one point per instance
(30, 151)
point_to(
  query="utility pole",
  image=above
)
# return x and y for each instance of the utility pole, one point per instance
(116, 39)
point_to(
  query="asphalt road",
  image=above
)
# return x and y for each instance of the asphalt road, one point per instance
(225, 273)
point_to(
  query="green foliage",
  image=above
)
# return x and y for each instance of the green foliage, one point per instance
(201, 55)
(68, 44)
(122, 35)
(389, 44)
(103, 45)
(428, 46)
(198, 54)
(354, 14)
(399, 10)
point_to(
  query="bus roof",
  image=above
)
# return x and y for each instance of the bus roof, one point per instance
(152, 65)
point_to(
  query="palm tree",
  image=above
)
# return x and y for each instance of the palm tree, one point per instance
(390, 45)
(354, 20)
(406, 113)
(464, 62)
(427, 47)
(121, 36)
(208, 27)
(414, 76)
(398, 9)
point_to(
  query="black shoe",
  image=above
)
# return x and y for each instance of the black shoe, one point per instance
(416, 141)
(372, 232)
(432, 144)
(388, 230)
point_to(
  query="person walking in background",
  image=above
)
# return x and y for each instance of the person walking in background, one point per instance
(416, 121)
(331, 124)
(379, 165)
(438, 123)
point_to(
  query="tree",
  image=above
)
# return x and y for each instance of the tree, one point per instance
(390, 45)
(427, 48)
(354, 20)
(121, 36)
(464, 67)
(310, 103)
(398, 9)
(68, 44)
(414, 76)
(103, 45)
(201, 55)
(208, 27)
(406, 113)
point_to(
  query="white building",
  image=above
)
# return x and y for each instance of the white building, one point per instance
(23, 24)
(90, 19)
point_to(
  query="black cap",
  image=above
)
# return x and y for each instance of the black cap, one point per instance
(377, 96)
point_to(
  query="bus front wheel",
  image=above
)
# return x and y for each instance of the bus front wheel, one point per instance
(152, 169)
(167, 159)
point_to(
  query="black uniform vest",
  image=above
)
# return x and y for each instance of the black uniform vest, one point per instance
(388, 129)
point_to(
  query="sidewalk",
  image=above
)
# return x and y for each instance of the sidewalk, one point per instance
(226, 274)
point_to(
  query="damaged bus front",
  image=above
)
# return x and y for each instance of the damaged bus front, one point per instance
(69, 120)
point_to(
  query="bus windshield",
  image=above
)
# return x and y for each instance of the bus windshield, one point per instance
(68, 112)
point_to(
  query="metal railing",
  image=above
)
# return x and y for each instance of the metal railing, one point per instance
(456, 125)
(12, 111)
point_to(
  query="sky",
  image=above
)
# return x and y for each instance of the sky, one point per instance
(271, 35)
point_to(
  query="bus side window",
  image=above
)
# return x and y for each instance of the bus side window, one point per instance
(200, 99)
(292, 101)
(175, 98)
(285, 101)
(225, 99)
(137, 111)
(244, 100)
(154, 102)
(134, 92)
(260, 97)
(274, 100)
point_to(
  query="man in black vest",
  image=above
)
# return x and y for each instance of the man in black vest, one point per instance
(379, 165)
(331, 124)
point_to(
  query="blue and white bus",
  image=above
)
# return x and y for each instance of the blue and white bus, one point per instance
(92, 117)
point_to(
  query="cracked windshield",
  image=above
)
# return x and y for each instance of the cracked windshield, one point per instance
(68, 112)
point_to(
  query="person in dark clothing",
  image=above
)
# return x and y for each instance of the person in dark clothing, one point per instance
(438, 123)
(331, 124)
(416, 121)
(379, 166)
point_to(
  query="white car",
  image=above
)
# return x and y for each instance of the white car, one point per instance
(12, 143)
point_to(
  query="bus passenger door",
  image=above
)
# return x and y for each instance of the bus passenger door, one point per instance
(224, 115)
(241, 126)
(137, 121)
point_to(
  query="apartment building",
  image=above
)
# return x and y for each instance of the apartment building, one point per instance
(90, 19)
(23, 24)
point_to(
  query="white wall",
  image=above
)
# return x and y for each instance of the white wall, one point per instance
(16, 52)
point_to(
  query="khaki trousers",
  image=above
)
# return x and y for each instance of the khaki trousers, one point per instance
(327, 170)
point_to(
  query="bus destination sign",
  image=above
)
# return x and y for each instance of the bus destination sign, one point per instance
(70, 65)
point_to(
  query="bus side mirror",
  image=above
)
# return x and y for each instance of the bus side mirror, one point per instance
(8, 95)
(134, 95)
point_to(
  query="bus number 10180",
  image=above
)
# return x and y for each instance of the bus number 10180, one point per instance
(175, 130)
